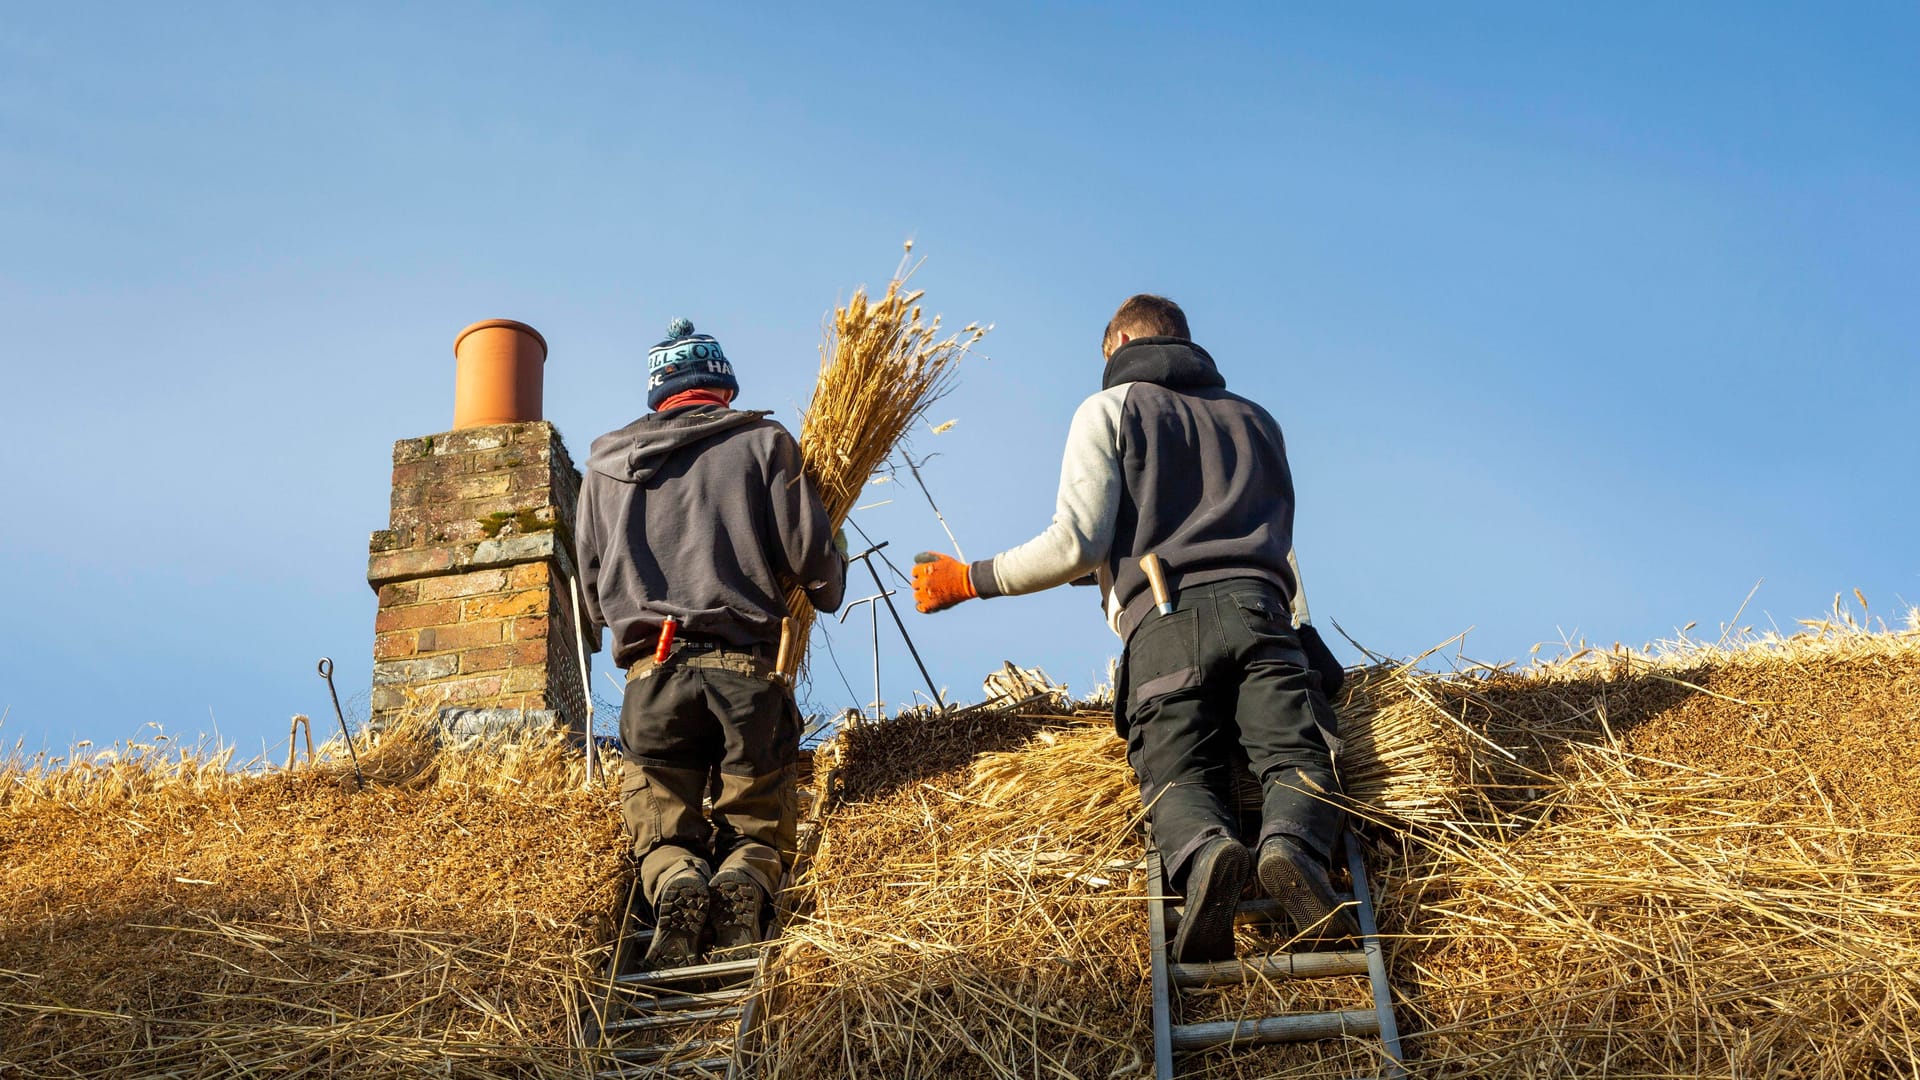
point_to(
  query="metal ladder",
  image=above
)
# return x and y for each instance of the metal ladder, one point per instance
(654, 1003)
(1169, 978)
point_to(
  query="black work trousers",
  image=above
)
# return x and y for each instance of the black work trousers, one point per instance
(704, 722)
(1226, 672)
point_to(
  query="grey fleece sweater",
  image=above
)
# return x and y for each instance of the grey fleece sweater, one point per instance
(1163, 459)
(701, 513)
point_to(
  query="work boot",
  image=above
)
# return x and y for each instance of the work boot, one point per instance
(1297, 880)
(1215, 880)
(678, 917)
(736, 915)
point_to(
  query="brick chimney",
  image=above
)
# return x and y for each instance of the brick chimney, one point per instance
(476, 615)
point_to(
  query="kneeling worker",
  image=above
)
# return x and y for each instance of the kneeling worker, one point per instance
(1165, 461)
(692, 523)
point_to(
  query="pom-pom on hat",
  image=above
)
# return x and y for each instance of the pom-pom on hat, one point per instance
(686, 361)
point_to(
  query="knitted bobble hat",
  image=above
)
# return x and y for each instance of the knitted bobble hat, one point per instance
(686, 361)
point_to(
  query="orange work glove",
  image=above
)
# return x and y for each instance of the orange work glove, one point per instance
(939, 582)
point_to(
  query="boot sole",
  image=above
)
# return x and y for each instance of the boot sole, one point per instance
(1317, 915)
(678, 919)
(736, 920)
(1206, 930)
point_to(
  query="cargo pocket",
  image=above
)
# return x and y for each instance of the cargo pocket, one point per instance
(1163, 657)
(638, 809)
(662, 805)
(1271, 626)
(789, 813)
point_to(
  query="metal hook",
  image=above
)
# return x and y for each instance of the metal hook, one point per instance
(326, 672)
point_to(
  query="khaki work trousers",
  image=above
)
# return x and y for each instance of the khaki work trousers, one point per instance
(714, 722)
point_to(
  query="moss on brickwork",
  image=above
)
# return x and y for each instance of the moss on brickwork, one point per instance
(523, 521)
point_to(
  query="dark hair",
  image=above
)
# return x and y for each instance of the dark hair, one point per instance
(1146, 315)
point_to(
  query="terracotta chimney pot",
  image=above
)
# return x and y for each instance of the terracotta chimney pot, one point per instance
(497, 375)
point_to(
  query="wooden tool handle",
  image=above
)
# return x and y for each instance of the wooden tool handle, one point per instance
(1157, 580)
(781, 658)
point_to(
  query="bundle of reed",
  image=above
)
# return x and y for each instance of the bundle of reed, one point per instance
(881, 367)
(167, 915)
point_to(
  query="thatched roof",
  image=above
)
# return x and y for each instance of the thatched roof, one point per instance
(1692, 864)
(1699, 863)
(168, 919)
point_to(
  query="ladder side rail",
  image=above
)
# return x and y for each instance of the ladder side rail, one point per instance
(1376, 958)
(750, 1014)
(1162, 984)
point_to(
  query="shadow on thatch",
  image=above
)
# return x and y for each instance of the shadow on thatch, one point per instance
(879, 758)
(1698, 862)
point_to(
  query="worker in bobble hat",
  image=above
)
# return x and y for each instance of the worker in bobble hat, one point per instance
(1165, 461)
(693, 523)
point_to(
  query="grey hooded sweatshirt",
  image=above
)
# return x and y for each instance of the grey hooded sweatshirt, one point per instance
(702, 513)
(1163, 459)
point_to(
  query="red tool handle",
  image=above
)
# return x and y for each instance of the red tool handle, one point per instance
(665, 647)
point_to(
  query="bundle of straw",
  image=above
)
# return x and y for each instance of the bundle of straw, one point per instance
(881, 368)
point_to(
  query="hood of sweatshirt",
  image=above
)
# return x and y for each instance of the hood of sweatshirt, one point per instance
(635, 452)
(1171, 362)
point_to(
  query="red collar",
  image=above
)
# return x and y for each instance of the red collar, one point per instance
(700, 396)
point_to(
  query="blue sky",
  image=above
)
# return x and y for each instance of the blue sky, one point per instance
(1580, 321)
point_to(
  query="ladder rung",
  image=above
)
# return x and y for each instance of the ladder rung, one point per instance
(655, 1023)
(1300, 1028)
(1260, 907)
(1300, 965)
(645, 1054)
(666, 976)
(685, 1001)
(678, 1068)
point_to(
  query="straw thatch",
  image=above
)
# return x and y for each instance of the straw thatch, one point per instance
(161, 915)
(881, 367)
(1698, 863)
(1701, 863)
